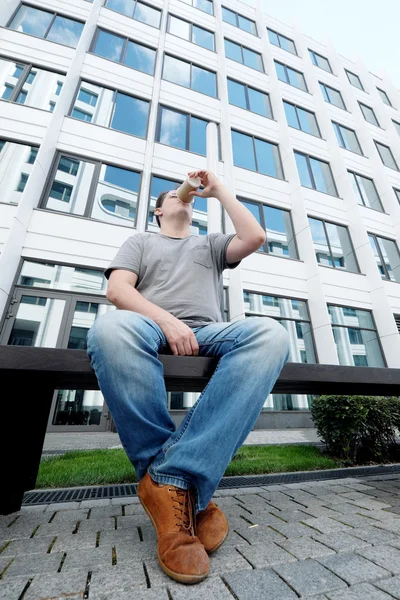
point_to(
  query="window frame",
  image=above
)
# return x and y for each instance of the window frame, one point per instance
(154, 7)
(123, 51)
(279, 35)
(247, 87)
(286, 67)
(169, 15)
(313, 54)
(191, 63)
(92, 189)
(50, 11)
(253, 137)
(324, 221)
(237, 21)
(297, 106)
(260, 205)
(360, 328)
(274, 295)
(381, 258)
(328, 87)
(383, 93)
(359, 79)
(241, 49)
(390, 150)
(311, 174)
(27, 68)
(361, 105)
(188, 117)
(115, 91)
(355, 175)
(344, 147)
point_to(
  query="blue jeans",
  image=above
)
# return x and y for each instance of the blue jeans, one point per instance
(123, 347)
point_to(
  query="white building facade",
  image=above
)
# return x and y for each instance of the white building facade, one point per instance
(105, 104)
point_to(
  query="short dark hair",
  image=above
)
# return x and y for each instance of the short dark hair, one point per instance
(159, 202)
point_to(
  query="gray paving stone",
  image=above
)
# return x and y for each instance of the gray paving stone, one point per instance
(308, 577)
(31, 564)
(375, 536)
(354, 520)
(264, 554)
(29, 546)
(95, 503)
(134, 509)
(70, 516)
(370, 504)
(305, 547)
(159, 579)
(12, 588)
(326, 525)
(5, 561)
(56, 585)
(53, 529)
(318, 511)
(208, 588)
(391, 586)
(340, 541)
(389, 525)
(259, 533)
(106, 524)
(66, 543)
(115, 536)
(128, 552)
(130, 521)
(363, 591)
(138, 595)
(88, 558)
(227, 559)
(385, 556)
(262, 583)
(346, 508)
(61, 506)
(352, 568)
(116, 578)
(294, 530)
(379, 515)
(101, 512)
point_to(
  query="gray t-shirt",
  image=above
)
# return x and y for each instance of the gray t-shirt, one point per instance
(181, 275)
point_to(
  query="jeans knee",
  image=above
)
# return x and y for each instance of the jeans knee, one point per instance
(106, 327)
(277, 335)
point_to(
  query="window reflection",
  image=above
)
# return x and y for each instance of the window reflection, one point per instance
(16, 164)
(62, 277)
(37, 322)
(44, 24)
(116, 195)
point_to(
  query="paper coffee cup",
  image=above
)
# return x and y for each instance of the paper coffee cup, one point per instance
(190, 184)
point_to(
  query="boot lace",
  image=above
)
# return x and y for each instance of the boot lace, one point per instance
(185, 509)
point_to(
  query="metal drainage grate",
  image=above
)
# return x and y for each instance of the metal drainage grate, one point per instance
(129, 490)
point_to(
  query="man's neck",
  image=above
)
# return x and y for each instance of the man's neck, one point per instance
(175, 233)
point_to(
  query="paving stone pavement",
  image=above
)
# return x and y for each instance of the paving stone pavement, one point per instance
(323, 540)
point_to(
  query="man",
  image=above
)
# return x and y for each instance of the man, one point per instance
(167, 289)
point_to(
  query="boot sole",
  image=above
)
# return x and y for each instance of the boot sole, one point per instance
(177, 576)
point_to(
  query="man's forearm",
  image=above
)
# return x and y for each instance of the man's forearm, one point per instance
(126, 297)
(246, 225)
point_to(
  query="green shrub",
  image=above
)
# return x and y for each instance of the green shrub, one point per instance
(350, 425)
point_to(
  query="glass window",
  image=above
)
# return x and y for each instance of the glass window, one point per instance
(259, 103)
(332, 245)
(282, 41)
(59, 87)
(233, 51)
(237, 94)
(315, 174)
(87, 97)
(366, 192)
(256, 154)
(354, 80)
(33, 21)
(16, 162)
(61, 277)
(172, 128)
(243, 151)
(70, 187)
(204, 5)
(252, 59)
(280, 238)
(65, 31)
(397, 193)
(397, 126)
(349, 344)
(386, 156)
(302, 119)
(384, 97)
(140, 57)
(126, 7)
(332, 96)
(229, 16)
(291, 76)
(320, 61)
(197, 140)
(179, 27)
(108, 45)
(81, 114)
(369, 114)
(39, 86)
(189, 75)
(138, 111)
(116, 195)
(203, 37)
(147, 14)
(347, 138)
(292, 314)
(387, 257)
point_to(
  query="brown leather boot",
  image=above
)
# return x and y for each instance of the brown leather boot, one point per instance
(172, 511)
(212, 527)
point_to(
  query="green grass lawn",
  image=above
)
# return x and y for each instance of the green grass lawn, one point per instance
(101, 467)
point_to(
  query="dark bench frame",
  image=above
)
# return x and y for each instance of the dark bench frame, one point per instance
(29, 377)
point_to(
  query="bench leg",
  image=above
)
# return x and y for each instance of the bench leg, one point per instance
(25, 410)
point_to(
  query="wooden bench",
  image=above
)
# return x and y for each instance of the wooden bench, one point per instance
(29, 377)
